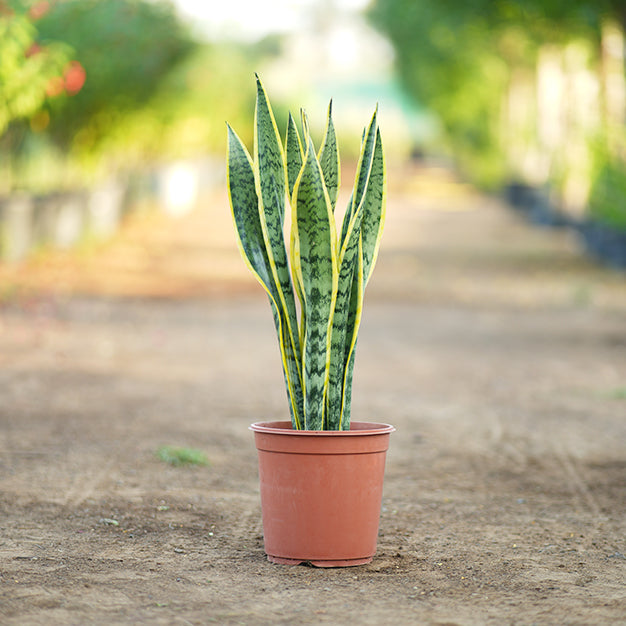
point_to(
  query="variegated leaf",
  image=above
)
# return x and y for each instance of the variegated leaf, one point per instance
(362, 173)
(329, 277)
(373, 218)
(268, 157)
(355, 311)
(245, 208)
(270, 182)
(329, 159)
(374, 210)
(315, 260)
(294, 153)
(244, 205)
(343, 326)
(373, 214)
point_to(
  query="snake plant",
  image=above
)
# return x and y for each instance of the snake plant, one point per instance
(325, 269)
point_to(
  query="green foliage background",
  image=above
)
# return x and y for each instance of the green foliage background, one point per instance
(24, 76)
(456, 57)
(152, 91)
(126, 48)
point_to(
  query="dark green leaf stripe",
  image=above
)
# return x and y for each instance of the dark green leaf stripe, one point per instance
(329, 159)
(314, 230)
(291, 355)
(244, 205)
(294, 155)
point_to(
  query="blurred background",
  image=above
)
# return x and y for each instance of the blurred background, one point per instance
(108, 104)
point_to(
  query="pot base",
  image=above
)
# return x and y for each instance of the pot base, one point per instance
(317, 563)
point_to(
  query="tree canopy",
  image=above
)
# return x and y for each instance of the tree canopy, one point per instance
(457, 57)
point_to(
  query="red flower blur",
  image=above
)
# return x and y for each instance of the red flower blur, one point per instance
(71, 82)
(74, 77)
(39, 9)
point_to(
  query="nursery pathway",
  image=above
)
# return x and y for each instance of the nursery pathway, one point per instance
(497, 350)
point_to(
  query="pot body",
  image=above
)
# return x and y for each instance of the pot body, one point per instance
(321, 492)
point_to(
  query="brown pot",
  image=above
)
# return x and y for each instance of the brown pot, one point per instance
(321, 492)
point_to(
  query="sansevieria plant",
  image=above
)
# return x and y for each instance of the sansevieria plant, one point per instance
(327, 270)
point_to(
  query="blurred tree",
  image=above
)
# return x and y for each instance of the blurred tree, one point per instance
(186, 114)
(448, 61)
(28, 70)
(458, 58)
(133, 87)
(124, 49)
(607, 199)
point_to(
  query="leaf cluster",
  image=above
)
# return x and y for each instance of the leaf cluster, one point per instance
(327, 270)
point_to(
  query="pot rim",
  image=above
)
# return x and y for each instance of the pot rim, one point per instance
(357, 429)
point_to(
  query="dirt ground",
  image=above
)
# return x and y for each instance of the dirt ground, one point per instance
(496, 350)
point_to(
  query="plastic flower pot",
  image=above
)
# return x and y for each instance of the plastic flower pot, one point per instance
(321, 492)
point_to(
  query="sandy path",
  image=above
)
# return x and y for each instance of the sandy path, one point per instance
(497, 351)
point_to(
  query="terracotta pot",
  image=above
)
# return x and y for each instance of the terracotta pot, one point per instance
(321, 492)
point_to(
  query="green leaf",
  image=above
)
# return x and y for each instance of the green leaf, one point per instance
(345, 326)
(348, 302)
(306, 135)
(360, 246)
(362, 174)
(245, 208)
(374, 210)
(329, 277)
(354, 321)
(252, 244)
(294, 160)
(329, 159)
(270, 180)
(372, 224)
(315, 259)
(269, 160)
(294, 153)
